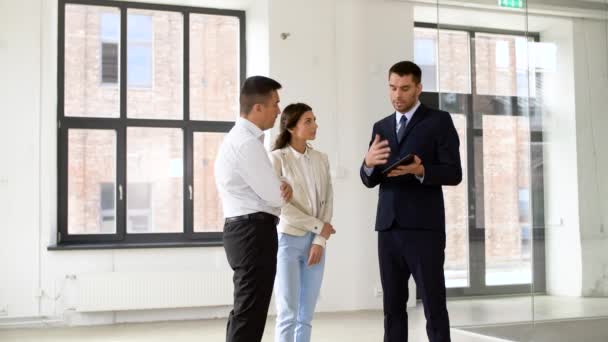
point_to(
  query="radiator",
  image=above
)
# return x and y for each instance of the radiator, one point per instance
(115, 291)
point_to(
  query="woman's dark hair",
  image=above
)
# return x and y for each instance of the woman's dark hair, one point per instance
(289, 119)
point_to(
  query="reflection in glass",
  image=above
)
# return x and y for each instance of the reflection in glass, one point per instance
(91, 181)
(154, 180)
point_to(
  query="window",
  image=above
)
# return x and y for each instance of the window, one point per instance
(110, 37)
(485, 80)
(136, 163)
(139, 209)
(425, 46)
(109, 62)
(91, 165)
(108, 213)
(139, 51)
(434, 50)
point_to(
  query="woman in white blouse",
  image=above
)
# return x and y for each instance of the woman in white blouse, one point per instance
(304, 225)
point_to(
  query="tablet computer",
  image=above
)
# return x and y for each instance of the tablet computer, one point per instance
(403, 161)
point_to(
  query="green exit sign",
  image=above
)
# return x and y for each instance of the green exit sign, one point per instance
(511, 3)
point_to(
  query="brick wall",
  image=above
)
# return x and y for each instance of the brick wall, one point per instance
(154, 156)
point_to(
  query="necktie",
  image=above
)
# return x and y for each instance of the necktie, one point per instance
(401, 131)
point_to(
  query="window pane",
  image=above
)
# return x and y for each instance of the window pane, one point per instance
(502, 65)
(109, 63)
(425, 55)
(457, 219)
(91, 61)
(454, 60)
(154, 180)
(139, 28)
(506, 175)
(110, 26)
(214, 67)
(155, 64)
(139, 71)
(425, 50)
(208, 214)
(139, 54)
(91, 181)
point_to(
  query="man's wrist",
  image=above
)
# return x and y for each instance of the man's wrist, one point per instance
(420, 171)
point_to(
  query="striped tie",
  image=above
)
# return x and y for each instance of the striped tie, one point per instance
(401, 131)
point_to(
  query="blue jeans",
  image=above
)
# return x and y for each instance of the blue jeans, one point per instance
(296, 288)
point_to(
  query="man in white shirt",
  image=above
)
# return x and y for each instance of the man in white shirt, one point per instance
(252, 196)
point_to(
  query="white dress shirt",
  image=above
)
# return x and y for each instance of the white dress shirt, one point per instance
(305, 165)
(245, 179)
(408, 115)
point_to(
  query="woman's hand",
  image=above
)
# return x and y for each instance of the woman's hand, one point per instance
(314, 257)
(286, 191)
(327, 230)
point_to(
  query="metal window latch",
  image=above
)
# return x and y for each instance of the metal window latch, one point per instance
(190, 191)
(120, 192)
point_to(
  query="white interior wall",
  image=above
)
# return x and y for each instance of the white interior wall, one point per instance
(332, 74)
(20, 150)
(339, 67)
(35, 282)
(591, 78)
(562, 220)
(332, 61)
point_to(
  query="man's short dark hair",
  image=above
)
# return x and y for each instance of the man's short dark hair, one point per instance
(256, 90)
(404, 68)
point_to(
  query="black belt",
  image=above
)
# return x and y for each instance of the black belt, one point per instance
(255, 217)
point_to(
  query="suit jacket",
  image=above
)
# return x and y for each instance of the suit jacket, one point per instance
(404, 200)
(296, 216)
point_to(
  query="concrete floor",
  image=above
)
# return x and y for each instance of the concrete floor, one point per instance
(587, 330)
(362, 326)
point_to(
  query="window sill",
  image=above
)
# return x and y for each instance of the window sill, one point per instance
(67, 246)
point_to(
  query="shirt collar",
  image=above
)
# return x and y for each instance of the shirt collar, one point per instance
(407, 114)
(299, 155)
(250, 127)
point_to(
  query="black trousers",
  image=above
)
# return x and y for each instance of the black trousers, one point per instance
(420, 253)
(251, 247)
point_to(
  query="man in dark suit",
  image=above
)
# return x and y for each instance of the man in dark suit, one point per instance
(411, 218)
